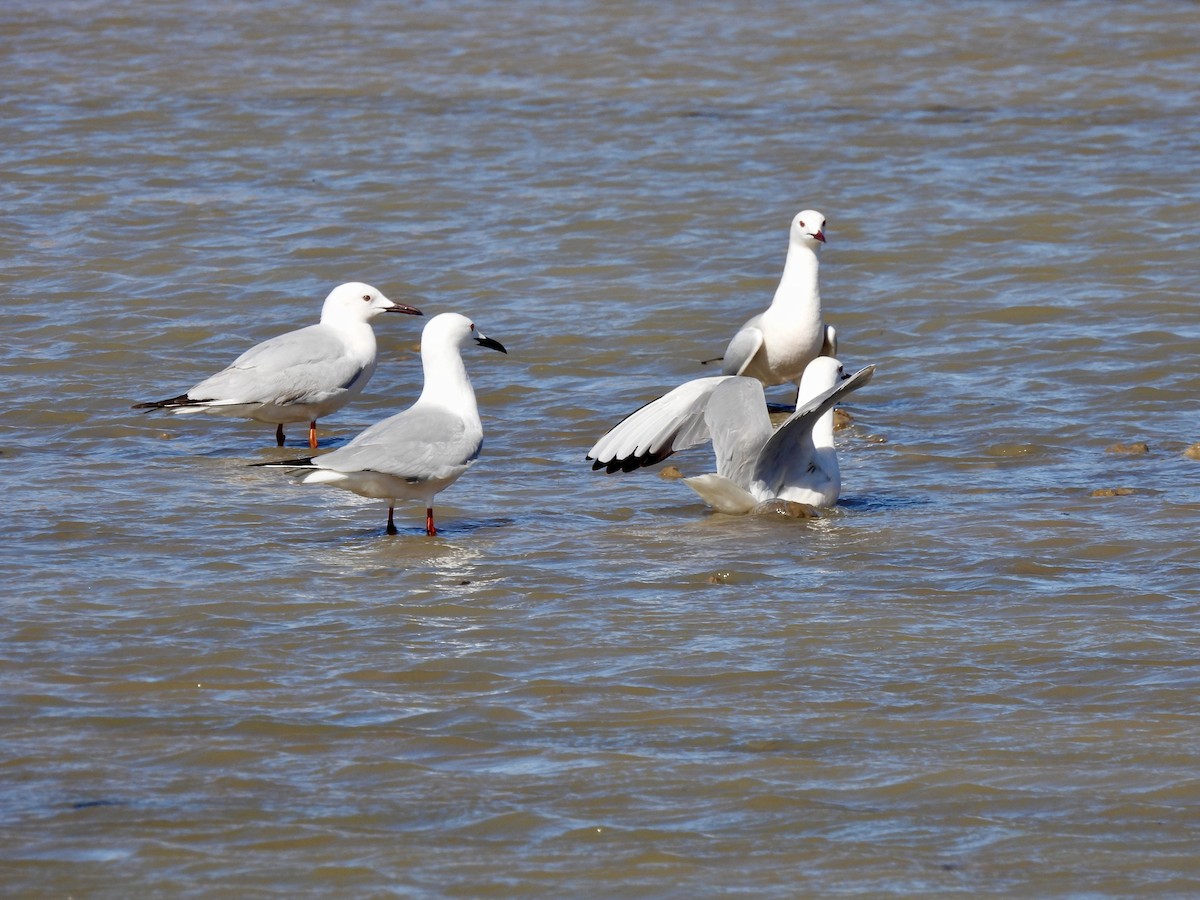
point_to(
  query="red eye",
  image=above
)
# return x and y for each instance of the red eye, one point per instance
(367, 297)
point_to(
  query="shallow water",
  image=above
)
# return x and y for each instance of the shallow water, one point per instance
(972, 676)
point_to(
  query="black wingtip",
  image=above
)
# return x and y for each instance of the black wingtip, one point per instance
(169, 403)
(632, 463)
(609, 467)
(285, 463)
(181, 400)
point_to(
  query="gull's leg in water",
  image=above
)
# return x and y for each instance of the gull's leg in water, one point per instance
(429, 526)
(279, 435)
(312, 435)
(391, 529)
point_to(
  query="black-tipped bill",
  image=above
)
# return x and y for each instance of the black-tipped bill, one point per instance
(407, 310)
(489, 342)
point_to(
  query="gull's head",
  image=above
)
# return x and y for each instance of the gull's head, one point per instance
(455, 330)
(808, 229)
(358, 302)
(820, 375)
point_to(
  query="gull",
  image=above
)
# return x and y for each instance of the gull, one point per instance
(299, 376)
(779, 342)
(755, 465)
(417, 453)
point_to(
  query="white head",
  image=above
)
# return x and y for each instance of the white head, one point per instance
(808, 229)
(358, 302)
(454, 330)
(819, 376)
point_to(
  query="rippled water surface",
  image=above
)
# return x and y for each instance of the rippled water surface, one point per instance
(971, 677)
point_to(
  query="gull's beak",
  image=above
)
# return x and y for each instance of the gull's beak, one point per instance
(820, 236)
(489, 342)
(401, 308)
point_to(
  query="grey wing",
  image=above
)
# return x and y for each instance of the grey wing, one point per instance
(418, 444)
(739, 425)
(303, 366)
(791, 445)
(829, 343)
(743, 347)
(675, 421)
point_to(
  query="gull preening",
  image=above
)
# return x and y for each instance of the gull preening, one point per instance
(300, 376)
(755, 464)
(417, 453)
(776, 345)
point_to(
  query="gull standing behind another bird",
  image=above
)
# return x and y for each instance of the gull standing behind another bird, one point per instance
(299, 376)
(417, 453)
(777, 344)
(796, 462)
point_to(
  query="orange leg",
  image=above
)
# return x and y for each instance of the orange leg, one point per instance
(429, 527)
(279, 435)
(312, 435)
(391, 529)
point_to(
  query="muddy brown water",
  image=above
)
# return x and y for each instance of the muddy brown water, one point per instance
(973, 677)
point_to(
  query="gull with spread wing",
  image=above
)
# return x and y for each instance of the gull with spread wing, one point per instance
(755, 464)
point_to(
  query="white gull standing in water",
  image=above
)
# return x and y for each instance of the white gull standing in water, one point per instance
(416, 453)
(776, 345)
(300, 376)
(797, 462)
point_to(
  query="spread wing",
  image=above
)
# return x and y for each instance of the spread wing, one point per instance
(738, 423)
(675, 421)
(789, 453)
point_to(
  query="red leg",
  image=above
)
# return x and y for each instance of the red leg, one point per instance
(279, 435)
(391, 529)
(312, 435)
(429, 527)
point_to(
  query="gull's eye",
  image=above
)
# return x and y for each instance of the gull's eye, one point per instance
(367, 297)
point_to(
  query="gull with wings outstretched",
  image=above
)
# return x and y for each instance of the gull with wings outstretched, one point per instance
(755, 464)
